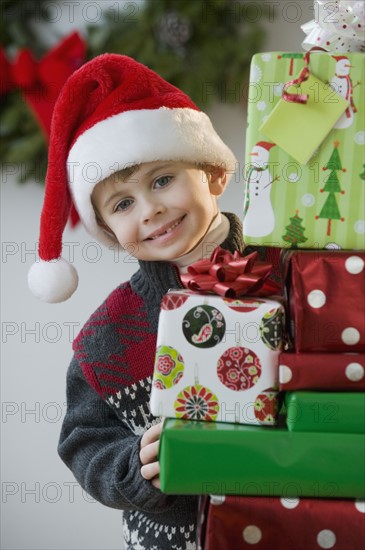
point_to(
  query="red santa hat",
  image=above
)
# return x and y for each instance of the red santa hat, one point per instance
(340, 57)
(112, 113)
(265, 145)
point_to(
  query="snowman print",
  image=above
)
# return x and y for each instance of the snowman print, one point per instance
(259, 219)
(341, 83)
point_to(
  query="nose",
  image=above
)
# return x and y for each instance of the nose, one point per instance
(151, 207)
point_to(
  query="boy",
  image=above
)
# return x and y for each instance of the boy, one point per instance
(144, 168)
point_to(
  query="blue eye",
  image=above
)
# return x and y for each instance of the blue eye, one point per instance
(123, 204)
(163, 181)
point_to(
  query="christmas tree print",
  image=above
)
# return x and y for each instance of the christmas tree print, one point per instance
(292, 57)
(295, 231)
(330, 210)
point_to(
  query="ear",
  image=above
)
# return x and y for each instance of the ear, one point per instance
(217, 177)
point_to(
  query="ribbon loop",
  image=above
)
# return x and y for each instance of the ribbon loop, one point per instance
(230, 275)
(304, 75)
(25, 71)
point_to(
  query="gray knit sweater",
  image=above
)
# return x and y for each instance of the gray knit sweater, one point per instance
(108, 393)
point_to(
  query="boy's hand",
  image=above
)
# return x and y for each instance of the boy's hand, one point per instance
(148, 454)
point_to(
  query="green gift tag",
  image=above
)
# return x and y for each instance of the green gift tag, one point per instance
(299, 128)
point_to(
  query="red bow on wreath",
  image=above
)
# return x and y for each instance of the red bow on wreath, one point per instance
(41, 81)
(230, 275)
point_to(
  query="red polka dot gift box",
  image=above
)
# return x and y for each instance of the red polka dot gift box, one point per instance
(322, 371)
(217, 358)
(326, 300)
(264, 523)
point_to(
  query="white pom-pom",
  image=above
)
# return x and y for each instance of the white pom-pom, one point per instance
(53, 281)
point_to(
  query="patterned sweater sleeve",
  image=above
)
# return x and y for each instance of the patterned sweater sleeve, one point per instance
(102, 453)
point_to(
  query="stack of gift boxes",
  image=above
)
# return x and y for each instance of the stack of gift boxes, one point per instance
(294, 479)
(324, 377)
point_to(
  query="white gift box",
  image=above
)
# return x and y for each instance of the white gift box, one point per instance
(217, 358)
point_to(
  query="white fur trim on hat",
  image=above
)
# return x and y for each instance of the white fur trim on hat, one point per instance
(136, 137)
(54, 281)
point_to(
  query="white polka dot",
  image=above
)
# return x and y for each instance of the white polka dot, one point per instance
(285, 374)
(255, 73)
(289, 502)
(354, 265)
(252, 534)
(360, 506)
(293, 177)
(326, 539)
(308, 199)
(360, 138)
(350, 336)
(217, 499)
(316, 298)
(354, 372)
(332, 246)
(359, 227)
(266, 57)
(261, 106)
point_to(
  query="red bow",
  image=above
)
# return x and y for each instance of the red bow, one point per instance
(230, 275)
(41, 81)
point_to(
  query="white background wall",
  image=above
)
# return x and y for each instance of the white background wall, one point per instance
(42, 506)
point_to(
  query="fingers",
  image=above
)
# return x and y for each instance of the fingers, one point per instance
(149, 445)
(151, 435)
(149, 453)
(151, 470)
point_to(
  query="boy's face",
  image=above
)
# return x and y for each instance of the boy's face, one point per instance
(162, 210)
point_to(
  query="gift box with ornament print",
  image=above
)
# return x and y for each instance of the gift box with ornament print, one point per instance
(304, 163)
(217, 358)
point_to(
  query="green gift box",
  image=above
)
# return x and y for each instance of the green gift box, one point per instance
(309, 411)
(220, 458)
(315, 202)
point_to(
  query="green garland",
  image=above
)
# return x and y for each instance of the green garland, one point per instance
(203, 47)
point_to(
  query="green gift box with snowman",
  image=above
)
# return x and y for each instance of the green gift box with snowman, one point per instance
(304, 165)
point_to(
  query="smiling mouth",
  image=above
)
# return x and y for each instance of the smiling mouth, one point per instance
(166, 231)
